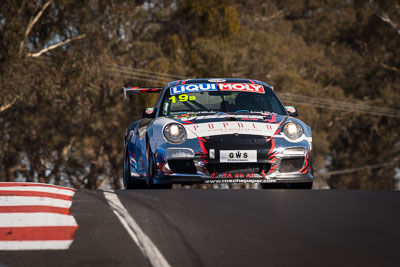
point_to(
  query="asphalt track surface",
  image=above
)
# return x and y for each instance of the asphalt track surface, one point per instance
(232, 228)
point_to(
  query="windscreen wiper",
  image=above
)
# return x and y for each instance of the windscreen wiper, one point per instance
(223, 99)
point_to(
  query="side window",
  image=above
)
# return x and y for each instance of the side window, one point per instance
(275, 105)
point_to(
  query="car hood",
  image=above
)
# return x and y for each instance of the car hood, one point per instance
(221, 124)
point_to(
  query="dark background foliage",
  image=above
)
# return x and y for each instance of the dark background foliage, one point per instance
(63, 63)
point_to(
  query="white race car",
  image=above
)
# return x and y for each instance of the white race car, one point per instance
(217, 131)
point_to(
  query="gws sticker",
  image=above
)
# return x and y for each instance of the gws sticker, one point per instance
(238, 155)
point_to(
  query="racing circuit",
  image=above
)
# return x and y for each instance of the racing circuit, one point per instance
(197, 227)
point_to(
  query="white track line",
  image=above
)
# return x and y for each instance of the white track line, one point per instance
(35, 245)
(34, 201)
(20, 219)
(38, 189)
(141, 239)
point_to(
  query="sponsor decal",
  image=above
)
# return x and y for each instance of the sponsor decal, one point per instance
(223, 116)
(212, 153)
(248, 175)
(238, 156)
(217, 81)
(149, 111)
(243, 87)
(235, 180)
(193, 88)
(183, 117)
(182, 98)
(232, 127)
(202, 87)
(290, 109)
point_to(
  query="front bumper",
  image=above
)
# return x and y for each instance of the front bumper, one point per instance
(185, 165)
(199, 179)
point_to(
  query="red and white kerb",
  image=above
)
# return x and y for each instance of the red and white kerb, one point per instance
(35, 216)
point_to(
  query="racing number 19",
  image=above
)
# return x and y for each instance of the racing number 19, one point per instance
(182, 98)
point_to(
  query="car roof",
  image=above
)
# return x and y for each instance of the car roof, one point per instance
(216, 80)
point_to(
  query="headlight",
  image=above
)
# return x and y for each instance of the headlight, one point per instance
(292, 130)
(175, 133)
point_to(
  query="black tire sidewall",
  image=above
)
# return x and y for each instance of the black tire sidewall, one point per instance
(127, 175)
(129, 182)
(150, 167)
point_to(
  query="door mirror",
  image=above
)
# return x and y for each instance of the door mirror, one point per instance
(149, 113)
(292, 111)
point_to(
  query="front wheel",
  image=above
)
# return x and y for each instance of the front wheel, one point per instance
(129, 181)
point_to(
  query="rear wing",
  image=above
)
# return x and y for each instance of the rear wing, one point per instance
(138, 90)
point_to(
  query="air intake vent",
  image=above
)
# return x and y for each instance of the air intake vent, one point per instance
(182, 166)
(238, 168)
(291, 165)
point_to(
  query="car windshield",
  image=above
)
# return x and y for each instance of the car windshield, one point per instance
(206, 98)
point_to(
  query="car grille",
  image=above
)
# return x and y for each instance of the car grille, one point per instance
(238, 168)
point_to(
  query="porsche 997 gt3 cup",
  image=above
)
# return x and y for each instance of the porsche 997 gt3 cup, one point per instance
(217, 131)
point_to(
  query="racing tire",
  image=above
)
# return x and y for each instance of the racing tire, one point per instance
(287, 186)
(151, 172)
(130, 182)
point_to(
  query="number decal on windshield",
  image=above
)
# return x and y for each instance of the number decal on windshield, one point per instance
(182, 98)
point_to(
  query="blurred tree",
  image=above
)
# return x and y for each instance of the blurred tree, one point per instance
(60, 105)
(362, 46)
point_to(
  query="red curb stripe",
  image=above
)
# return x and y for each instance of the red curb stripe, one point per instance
(34, 194)
(31, 209)
(5, 184)
(37, 233)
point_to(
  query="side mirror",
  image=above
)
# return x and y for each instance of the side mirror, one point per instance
(149, 113)
(292, 111)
